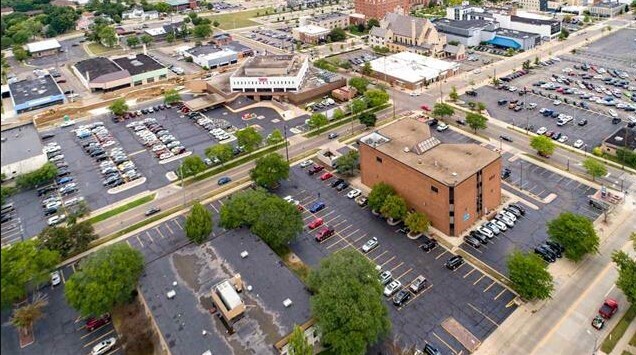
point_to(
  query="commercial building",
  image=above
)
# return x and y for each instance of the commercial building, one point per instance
(211, 56)
(138, 13)
(410, 70)
(104, 74)
(377, 9)
(270, 73)
(310, 34)
(453, 184)
(608, 9)
(330, 20)
(33, 94)
(181, 5)
(623, 138)
(44, 48)
(344, 93)
(241, 50)
(534, 5)
(22, 150)
(470, 33)
(408, 33)
(517, 40)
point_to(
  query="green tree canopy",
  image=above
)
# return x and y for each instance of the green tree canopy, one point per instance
(543, 145)
(529, 275)
(379, 194)
(476, 121)
(442, 110)
(368, 119)
(107, 36)
(348, 305)
(23, 263)
(338, 114)
(417, 222)
(191, 165)
(106, 278)
(198, 224)
(171, 96)
(46, 173)
(373, 22)
(358, 105)
(118, 107)
(349, 163)
(366, 68)
(376, 97)
(359, 83)
(480, 107)
(298, 344)
(594, 167)
(223, 152)
(19, 53)
(270, 170)
(132, 41)
(626, 273)
(146, 39)
(453, 95)
(576, 233)
(249, 138)
(394, 207)
(317, 120)
(337, 35)
(27, 315)
(163, 7)
(275, 137)
(70, 240)
(202, 30)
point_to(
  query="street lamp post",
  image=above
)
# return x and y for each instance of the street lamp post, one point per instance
(182, 185)
(521, 174)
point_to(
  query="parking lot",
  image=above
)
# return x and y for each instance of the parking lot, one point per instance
(470, 297)
(617, 48)
(279, 38)
(61, 330)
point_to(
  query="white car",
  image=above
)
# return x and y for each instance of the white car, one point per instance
(542, 130)
(563, 139)
(55, 220)
(56, 278)
(354, 193)
(486, 231)
(612, 113)
(492, 226)
(392, 287)
(166, 156)
(510, 216)
(512, 89)
(67, 123)
(556, 102)
(578, 144)
(370, 245)
(104, 346)
(306, 163)
(413, 93)
(441, 127)
(502, 226)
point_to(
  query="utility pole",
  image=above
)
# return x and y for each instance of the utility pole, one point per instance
(521, 174)
(286, 143)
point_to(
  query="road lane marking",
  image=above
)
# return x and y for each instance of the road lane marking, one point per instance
(445, 343)
(489, 286)
(499, 295)
(470, 272)
(384, 263)
(479, 279)
(610, 290)
(483, 314)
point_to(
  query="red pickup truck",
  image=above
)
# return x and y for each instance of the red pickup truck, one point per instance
(609, 307)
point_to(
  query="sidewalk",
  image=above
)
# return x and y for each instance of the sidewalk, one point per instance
(623, 344)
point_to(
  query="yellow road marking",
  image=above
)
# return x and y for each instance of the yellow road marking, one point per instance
(445, 343)
(479, 279)
(511, 303)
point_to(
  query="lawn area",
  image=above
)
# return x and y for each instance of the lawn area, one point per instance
(619, 330)
(121, 209)
(238, 19)
(98, 48)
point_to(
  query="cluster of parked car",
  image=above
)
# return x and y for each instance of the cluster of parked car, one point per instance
(549, 251)
(401, 295)
(503, 220)
(139, 113)
(489, 49)
(274, 38)
(157, 138)
(326, 102)
(360, 60)
(514, 75)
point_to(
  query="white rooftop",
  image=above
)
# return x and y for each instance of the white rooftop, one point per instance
(312, 30)
(157, 31)
(45, 45)
(411, 67)
(228, 295)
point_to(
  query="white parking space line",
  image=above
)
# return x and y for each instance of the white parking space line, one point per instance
(339, 223)
(500, 293)
(98, 338)
(384, 263)
(489, 286)
(334, 243)
(440, 255)
(470, 272)
(445, 343)
(479, 279)
(139, 240)
(178, 224)
(214, 208)
(358, 239)
(483, 314)
(384, 252)
(404, 274)
(159, 231)
(397, 266)
(169, 229)
(352, 233)
(149, 236)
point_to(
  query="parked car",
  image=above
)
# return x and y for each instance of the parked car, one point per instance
(472, 241)
(385, 277)
(418, 284)
(428, 244)
(56, 278)
(362, 201)
(326, 176)
(315, 223)
(354, 193)
(370, 245)
(306, 163)
(104, 346)
(609, 308)
(454, 262)
(317, 206)
(325, 233)
(314, 169)
(93, 323)
(401, 298)
(392, 287)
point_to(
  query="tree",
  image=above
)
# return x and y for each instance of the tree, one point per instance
(376, 97)
(529, 275)
(495, 81)
(542, 144)
(107, 36)
(24, 263)
(298, 344)
(118, 107)
(317, 120)
(132, 41)
(190, 166)
(249, 138)
(216, 23)
(19, 53)
(171, 96)
(626, 271)
(417, 222)
(378, 195)
(373, 22)
(358, 105)
(269, 170)
(337, 35)
(105, 279)
(68, 241)
(453, 95)
(366, 68)
(476, 121)
(349, 163)
(359, 83)
(275, 137)
(222, 152)
(536, 60)
(170, 37)
(163, 7)
(26, 316)
(198, 224)
(394, 208)
(442, 110)
(594, 168)
(202, 30)
(480, 107)
(46, 173)
(338, 114)
(348, 305)
(146, 39)
(526, 65)
(564, 34)
(576, 233)
(368, 119)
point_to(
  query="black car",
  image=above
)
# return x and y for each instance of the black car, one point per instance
(555, 245)
(582, 122)
(341, 186)
(544, 254)
(480, 237)
(518, 207)
(471, 93)
(401, 298)
(433, 122)
(555, 251)
(431, 350)
(152, 211)
(47, 136)
(63, 172)
(337, 182)
(454, 262)
(505, 173)
(505, 138)
(514, 211)
(616, 120)
(45, 190)
(502, 102)
(428, 244)
(472, 241)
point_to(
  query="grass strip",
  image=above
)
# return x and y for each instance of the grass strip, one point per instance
(120, 209)
(619, 330)
(340, 122)
(632, 341)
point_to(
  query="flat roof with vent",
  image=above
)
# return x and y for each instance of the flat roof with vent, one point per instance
(410, 142)
(138, 64)
(20, 143)
(35, 92)
(411, 67)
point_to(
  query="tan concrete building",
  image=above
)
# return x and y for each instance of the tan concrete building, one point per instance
(330, 20)
(453, 184)
(407, 33)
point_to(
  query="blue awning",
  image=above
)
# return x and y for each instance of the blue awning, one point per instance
(504, 42)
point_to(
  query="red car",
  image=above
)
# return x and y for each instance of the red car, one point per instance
(315, 223)
(326, 176)
(609, 307)
(314, 169)
(325, 233)
(93, 323)
(425, 108)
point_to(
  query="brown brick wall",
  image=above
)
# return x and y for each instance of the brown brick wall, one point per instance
(378, 8)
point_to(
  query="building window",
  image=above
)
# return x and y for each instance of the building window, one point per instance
(378, 159)
(150, 80)
(491, 177)
(434, 189)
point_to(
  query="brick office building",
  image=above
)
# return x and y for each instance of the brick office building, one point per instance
(453, 184)
(377, 9)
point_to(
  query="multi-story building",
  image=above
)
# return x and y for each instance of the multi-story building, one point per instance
(453, 184)
(330, 20)
(377, 9)
(470, 33)
(311, 34)
(270, 73)
(534, 5)
(608, 9)
(407, 33)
